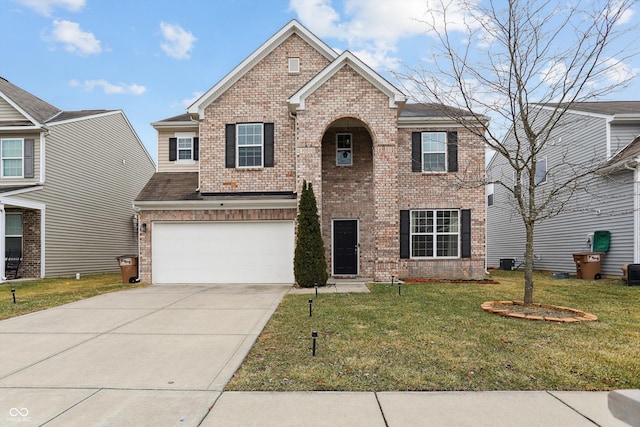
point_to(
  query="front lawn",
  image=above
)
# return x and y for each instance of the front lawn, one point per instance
(35, 295)
(435, 336)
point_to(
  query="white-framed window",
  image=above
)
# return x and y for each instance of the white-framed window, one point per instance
(344, 149)
(434, 151)
(12, 154)
(490, 192)
(294, 65)
(541, 171)
(250, 145)
(435, 233)
(13, 234)
(185, 147)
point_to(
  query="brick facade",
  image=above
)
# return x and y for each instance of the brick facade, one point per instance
(373, 190)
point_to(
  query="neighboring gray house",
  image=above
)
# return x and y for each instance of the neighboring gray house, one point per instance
(67, 182)
(592, 133)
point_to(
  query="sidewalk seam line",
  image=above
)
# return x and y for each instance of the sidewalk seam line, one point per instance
(572, 408)
(375, 393)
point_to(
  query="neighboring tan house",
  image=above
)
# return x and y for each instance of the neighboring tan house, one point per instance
(603, 135)
(67, 182)
(386, 174)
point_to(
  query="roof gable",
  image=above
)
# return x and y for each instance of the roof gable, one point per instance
(31, 107)
(293, 27)
(396, 98)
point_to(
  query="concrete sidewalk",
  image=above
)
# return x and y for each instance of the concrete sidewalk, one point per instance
(161, 356)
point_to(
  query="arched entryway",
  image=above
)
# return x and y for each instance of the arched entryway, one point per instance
(347, 198)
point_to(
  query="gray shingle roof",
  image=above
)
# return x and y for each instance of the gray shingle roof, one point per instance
(604, 107)
(168, 186)
(431, 110)
(68, 115)
(32, 105)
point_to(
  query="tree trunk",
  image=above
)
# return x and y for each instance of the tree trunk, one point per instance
(528, 265)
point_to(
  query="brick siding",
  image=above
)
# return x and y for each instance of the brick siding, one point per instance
(373, 191)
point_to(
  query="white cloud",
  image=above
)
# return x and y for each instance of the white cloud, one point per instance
(74, 38)
(617, 72)
(373, 28)
(178, 42)
(45, 7)
(110, 88)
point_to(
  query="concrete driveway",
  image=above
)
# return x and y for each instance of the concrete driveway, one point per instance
(159, 355)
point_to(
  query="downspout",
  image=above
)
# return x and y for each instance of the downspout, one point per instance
(636, 209)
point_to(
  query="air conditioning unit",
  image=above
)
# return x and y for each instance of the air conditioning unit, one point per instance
(633, 274)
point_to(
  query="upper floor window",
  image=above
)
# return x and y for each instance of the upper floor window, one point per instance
(250, 145)
(344, 151)
(541, 171)
(183, 147)
(434, 152)
(12, 157)
(435, 234)
(490, 193)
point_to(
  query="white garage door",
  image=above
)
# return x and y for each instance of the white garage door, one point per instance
(223, 252)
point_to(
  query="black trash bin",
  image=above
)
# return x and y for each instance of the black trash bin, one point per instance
(128, 267)
(507, 263)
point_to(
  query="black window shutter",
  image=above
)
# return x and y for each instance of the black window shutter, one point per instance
(404, 234)
(466, 233)
(196, 148)
(230, 144)
(173, 149)
(452, 151)
(28, 158)
(268, 145)
(416, 151)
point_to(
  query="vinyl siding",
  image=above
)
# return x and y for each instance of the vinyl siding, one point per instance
(7, 112)
(623, 135)
(36, 159)
(164, 165)
(95, 169)
(606, 204)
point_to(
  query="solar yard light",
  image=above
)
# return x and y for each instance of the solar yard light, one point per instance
(314, 336)
(13, 293)
(310, 307)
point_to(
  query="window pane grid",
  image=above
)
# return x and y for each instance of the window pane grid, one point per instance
(250, 145)
(11, 151)
(435, 233)
(434, 151)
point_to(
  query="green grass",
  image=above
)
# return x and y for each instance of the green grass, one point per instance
(436, 337)
(35, 295)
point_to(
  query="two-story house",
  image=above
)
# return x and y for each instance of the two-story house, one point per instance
(67, 180)
(599, 136)
(386, 175)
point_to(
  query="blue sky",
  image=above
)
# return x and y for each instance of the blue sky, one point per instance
(150, 58)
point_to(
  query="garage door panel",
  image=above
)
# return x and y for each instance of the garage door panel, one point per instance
(223, 252)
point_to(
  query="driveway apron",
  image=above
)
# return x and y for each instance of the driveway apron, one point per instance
(158, 355)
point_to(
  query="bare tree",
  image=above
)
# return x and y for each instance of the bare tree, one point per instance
(508, 59)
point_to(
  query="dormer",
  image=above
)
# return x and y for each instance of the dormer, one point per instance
(178, 144)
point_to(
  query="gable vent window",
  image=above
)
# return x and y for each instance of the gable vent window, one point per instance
(294, 65)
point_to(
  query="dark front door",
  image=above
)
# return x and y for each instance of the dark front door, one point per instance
(345, 246)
